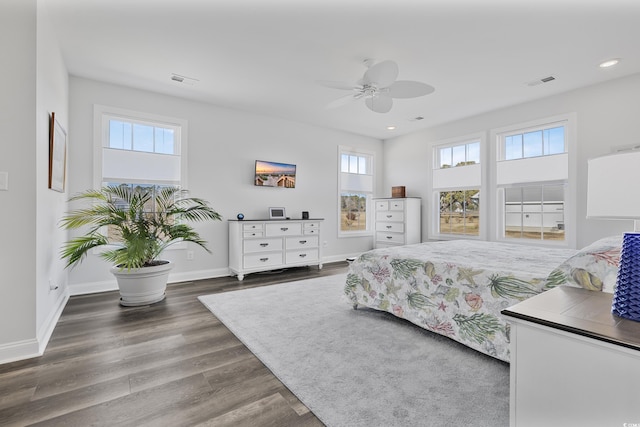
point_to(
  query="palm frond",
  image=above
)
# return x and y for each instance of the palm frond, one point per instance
(146, 220)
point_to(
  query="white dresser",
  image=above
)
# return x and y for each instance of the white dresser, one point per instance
(261, 245)
(397, 222)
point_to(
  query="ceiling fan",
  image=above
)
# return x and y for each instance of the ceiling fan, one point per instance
(378, 87)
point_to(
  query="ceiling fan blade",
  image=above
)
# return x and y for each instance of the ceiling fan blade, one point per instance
(382, 74)
(339, 85)
(409, 89)
(343, 100)
(381, 103)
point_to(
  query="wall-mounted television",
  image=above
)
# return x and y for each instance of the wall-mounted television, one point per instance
(274, 174)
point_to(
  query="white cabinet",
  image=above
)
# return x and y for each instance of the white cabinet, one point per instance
(573, 363)
(397, 222)
(267, 245)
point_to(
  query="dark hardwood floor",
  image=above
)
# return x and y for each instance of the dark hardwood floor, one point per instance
(169, 364)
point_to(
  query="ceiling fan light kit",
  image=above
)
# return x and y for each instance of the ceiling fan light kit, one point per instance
(378, 87)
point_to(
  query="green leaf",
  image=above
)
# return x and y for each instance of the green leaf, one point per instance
(511, 287)
(141, 221)
(478, 327)
(418, 301)
(405, 268)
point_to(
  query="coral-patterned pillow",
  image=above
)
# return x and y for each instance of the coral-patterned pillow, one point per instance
(594, 268)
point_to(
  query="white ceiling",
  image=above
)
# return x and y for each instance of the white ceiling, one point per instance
(267, 56)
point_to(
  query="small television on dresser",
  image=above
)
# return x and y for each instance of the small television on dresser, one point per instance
(275, 174)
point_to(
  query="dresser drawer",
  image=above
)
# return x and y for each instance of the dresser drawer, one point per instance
(284, 229)
(262, 260)
(252, 226)
(397, 216)
(308, 255)
(301, 242)
(309, 231)
(397, 238)
(396, 205)
(396, 227)
(262, 245)
(382, 205)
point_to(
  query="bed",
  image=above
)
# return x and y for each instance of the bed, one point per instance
(458, 288)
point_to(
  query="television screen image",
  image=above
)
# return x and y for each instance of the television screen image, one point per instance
(273, 174)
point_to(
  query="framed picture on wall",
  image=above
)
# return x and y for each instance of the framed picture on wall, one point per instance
(57, 155)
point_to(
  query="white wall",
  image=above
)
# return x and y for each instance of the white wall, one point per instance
(33, 85)
(607, 116)
(223, 145)
(52, 97)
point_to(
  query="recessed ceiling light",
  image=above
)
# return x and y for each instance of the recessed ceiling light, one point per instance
(391, 128)
(609, 63)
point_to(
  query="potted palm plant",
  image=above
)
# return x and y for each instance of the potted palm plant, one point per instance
(135, 224)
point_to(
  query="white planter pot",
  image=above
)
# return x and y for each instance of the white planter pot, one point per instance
(142, 286)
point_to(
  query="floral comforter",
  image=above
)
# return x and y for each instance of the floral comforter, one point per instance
(454, 288)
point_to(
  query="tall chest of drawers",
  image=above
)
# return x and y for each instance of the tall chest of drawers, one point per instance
(397, 222)
(262, 245)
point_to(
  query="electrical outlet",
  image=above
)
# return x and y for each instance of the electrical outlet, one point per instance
(189, 255)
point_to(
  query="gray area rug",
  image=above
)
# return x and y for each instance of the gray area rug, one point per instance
(363, 367)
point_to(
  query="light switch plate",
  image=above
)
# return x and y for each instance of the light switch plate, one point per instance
(4, 181)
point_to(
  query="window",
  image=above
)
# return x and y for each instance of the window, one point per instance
(534, 212)
(460, 212)
(138, 149)
(456, 183)
(459, 155)
(541, 142)
(532, 181)
(356, 189)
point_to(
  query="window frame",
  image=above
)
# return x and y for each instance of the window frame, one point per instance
(461, 183)
(344, 187)
(101, 116)
(568, 120)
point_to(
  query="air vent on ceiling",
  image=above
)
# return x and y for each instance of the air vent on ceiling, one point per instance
(540, 81)
(184, 79)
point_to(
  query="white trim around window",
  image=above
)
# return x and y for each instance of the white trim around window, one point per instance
(174, 167)
(559, 169)
(356, 182)
(457, 178)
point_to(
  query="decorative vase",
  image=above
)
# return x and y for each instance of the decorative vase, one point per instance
(626, 296)
(142, 286)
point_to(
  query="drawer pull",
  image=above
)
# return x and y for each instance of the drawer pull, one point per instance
(389, 216)
(284, 228)
(264, 259)
(389, 227)
(302, 242)
(302, 255)
(264, 245)
(389, 237)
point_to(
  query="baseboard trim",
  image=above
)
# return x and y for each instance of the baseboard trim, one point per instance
(46, 330)
(184, 276)
(19, 350)
(112, 285)
(27, 349)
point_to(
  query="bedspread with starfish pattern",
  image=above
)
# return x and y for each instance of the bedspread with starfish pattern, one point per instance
(454, 288)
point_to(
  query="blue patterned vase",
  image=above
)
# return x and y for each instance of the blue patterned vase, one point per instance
(626, 297)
